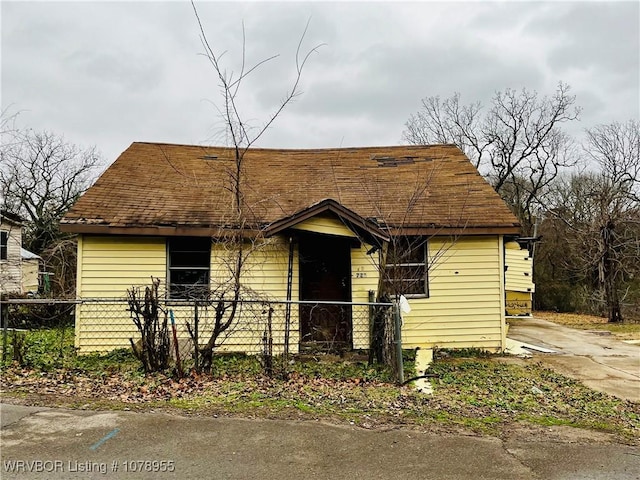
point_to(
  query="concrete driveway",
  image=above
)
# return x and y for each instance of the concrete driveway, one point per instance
(596, 359)
(68, 444)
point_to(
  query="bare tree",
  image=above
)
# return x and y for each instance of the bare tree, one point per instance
(405, 262)
(616, 148)
(518, 143)
(41, 176)
(227, 291)
(7, 123)
(153, 348)
(599, 214)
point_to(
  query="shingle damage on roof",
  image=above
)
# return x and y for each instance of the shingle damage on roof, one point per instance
(189, 189)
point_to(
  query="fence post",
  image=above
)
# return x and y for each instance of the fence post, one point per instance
(372, 298)
(196, 362)
(287, 314)
(398, 341)
(4, 320)
(371, 325)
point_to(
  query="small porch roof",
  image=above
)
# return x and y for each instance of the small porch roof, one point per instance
(366, 229)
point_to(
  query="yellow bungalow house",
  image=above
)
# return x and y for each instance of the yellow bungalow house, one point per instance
(321, 225)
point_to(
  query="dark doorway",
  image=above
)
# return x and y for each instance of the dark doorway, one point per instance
(325, 274)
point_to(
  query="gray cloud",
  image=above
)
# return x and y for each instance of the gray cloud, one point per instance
(112, 73)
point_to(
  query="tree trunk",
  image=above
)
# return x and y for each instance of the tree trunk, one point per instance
(613, 301)
(608, 274)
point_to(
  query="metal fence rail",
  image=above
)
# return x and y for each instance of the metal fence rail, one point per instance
(279, 326)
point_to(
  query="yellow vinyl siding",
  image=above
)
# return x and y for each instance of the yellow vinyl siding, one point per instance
(265, 272)
(519, 284)
(264, 277)
(107, 267)
(519, 275)
(364, 278)
(111, 265)
(364, 273)
(519, 303)
(465, 307)
(329, 225)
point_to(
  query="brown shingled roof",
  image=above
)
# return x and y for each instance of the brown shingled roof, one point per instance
(180, 189)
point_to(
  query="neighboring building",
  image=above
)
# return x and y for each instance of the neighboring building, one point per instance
(19, 268)
(31, 264)
(10, 253)
(319, 224)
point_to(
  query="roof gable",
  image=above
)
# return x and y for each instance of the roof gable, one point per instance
(362, 227)
(161, 187)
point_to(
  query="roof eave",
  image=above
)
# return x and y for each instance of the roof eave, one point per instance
(11, 218)
(277, 227)
(456, 230)
(156, 230)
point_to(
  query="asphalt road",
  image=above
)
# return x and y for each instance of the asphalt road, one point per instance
(599, 361)
(67, 444)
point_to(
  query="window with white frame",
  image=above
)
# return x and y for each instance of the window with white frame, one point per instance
(188, 260)
(406, 270)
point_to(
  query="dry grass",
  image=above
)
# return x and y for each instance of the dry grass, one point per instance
(623, 331)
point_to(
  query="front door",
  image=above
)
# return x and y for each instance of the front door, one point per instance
(325, 275)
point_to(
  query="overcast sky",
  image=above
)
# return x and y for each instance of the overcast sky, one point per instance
(108, 74)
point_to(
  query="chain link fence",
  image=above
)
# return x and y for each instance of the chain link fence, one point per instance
(267, 328)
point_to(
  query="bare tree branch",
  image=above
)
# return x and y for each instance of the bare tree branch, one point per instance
(596, 217)
(226, 292)
(41, 176)
(517, 144)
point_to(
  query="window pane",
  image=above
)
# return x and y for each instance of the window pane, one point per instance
(189, 259)
(190, 244)
(4, 238)
(188, 292)
(189, 277)
(406, 280)
(411, 273)
(407, 250)
(187, 284)
(406, 269)
(412, 287)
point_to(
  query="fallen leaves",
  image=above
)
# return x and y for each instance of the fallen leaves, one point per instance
(158, 387)
(469, 393)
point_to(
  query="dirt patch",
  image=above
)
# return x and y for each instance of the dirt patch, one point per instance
(594, 324)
